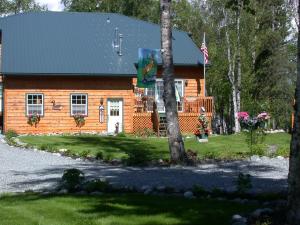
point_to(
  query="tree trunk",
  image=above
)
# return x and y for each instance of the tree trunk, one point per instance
(239, 66)
(293, 215)
(176, 145)
(232, 80)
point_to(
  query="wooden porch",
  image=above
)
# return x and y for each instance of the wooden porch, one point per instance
(147, 116)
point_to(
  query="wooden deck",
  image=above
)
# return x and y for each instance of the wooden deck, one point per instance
(146, 115)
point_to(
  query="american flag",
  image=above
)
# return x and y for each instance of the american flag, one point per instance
(205, 52)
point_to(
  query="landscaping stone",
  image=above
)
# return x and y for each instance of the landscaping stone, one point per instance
(63, 191)
(81, 193)
(145, 187)
(259, 212)
(188, 194)
(238, 218)
(255, 158)
(280, 157)
(161, 188)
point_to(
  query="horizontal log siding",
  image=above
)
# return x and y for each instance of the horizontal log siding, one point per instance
(59, 90)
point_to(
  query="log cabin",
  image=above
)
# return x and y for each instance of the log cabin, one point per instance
(61, 64)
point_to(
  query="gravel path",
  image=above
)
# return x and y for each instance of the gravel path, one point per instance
(22, 169)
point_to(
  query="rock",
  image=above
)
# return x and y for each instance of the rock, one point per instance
(96, 193)
(63, 191)
(259, 212)
(265, 158)
(63, 150)
(81, 193)
(188, 194)
(116, 161)
(280, 157)
(255, 158)
(145, 187)
(161, 188)
(237, 218)
(148, 191)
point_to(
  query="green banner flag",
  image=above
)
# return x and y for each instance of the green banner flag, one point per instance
(147, 67)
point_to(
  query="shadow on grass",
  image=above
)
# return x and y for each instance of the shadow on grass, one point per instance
(137, 150)
(140, 209)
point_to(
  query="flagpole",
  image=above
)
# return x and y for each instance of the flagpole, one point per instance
(204, 67)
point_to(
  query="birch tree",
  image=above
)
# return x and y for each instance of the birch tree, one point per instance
(176, 145)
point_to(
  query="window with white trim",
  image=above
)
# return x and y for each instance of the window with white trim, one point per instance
(34, 104)
(157, 93)
(79, 104)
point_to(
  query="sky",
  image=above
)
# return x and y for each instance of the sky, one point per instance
(53, 5)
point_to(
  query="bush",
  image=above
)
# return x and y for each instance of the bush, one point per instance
(48, 147)
(243, 183)
(84, 153)
(210, 155)
(121, 134)
(11, 134)
(138, 157)
(72, 179)
(97, 185)
(199, 191)
(283, 151)
(107, 157)
(258, 149)
(146, 132)
(99, 155)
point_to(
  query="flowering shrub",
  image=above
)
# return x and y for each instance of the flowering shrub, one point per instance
(79, 120)
(202, 128)
(34, 119)
(249, 123)
(253, 127)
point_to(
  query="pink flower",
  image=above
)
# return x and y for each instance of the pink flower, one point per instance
(243, 116)
(263, 116)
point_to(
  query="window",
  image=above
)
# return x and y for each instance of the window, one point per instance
(114, 108)
(179, 88)
(79, 104)
(35, 104)
(158, 93)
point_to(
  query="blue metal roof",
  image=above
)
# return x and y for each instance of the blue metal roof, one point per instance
(73, 43)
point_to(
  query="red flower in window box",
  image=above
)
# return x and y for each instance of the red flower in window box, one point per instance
(34, 119)
(79, 120)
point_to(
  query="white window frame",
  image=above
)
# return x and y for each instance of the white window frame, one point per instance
(27, 104)
(182, 91)
(86, 103)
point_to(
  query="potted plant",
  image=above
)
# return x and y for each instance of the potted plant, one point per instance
(79, 120)
(34, 119)
(202, 131)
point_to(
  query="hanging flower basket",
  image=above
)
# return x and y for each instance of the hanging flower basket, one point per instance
(33, 119)
(79, 120)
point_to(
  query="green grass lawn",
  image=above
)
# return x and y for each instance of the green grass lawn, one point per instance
(220, 147)
(131, 209)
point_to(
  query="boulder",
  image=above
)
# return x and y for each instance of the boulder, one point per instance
(188, 194)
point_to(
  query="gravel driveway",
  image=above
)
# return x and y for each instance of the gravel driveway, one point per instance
(22, 169)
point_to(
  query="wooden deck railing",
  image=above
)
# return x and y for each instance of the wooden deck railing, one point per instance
(192, 105)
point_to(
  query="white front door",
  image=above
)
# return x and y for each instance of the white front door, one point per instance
(115, 115)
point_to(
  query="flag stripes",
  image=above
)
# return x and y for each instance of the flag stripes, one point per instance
(205, 52)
